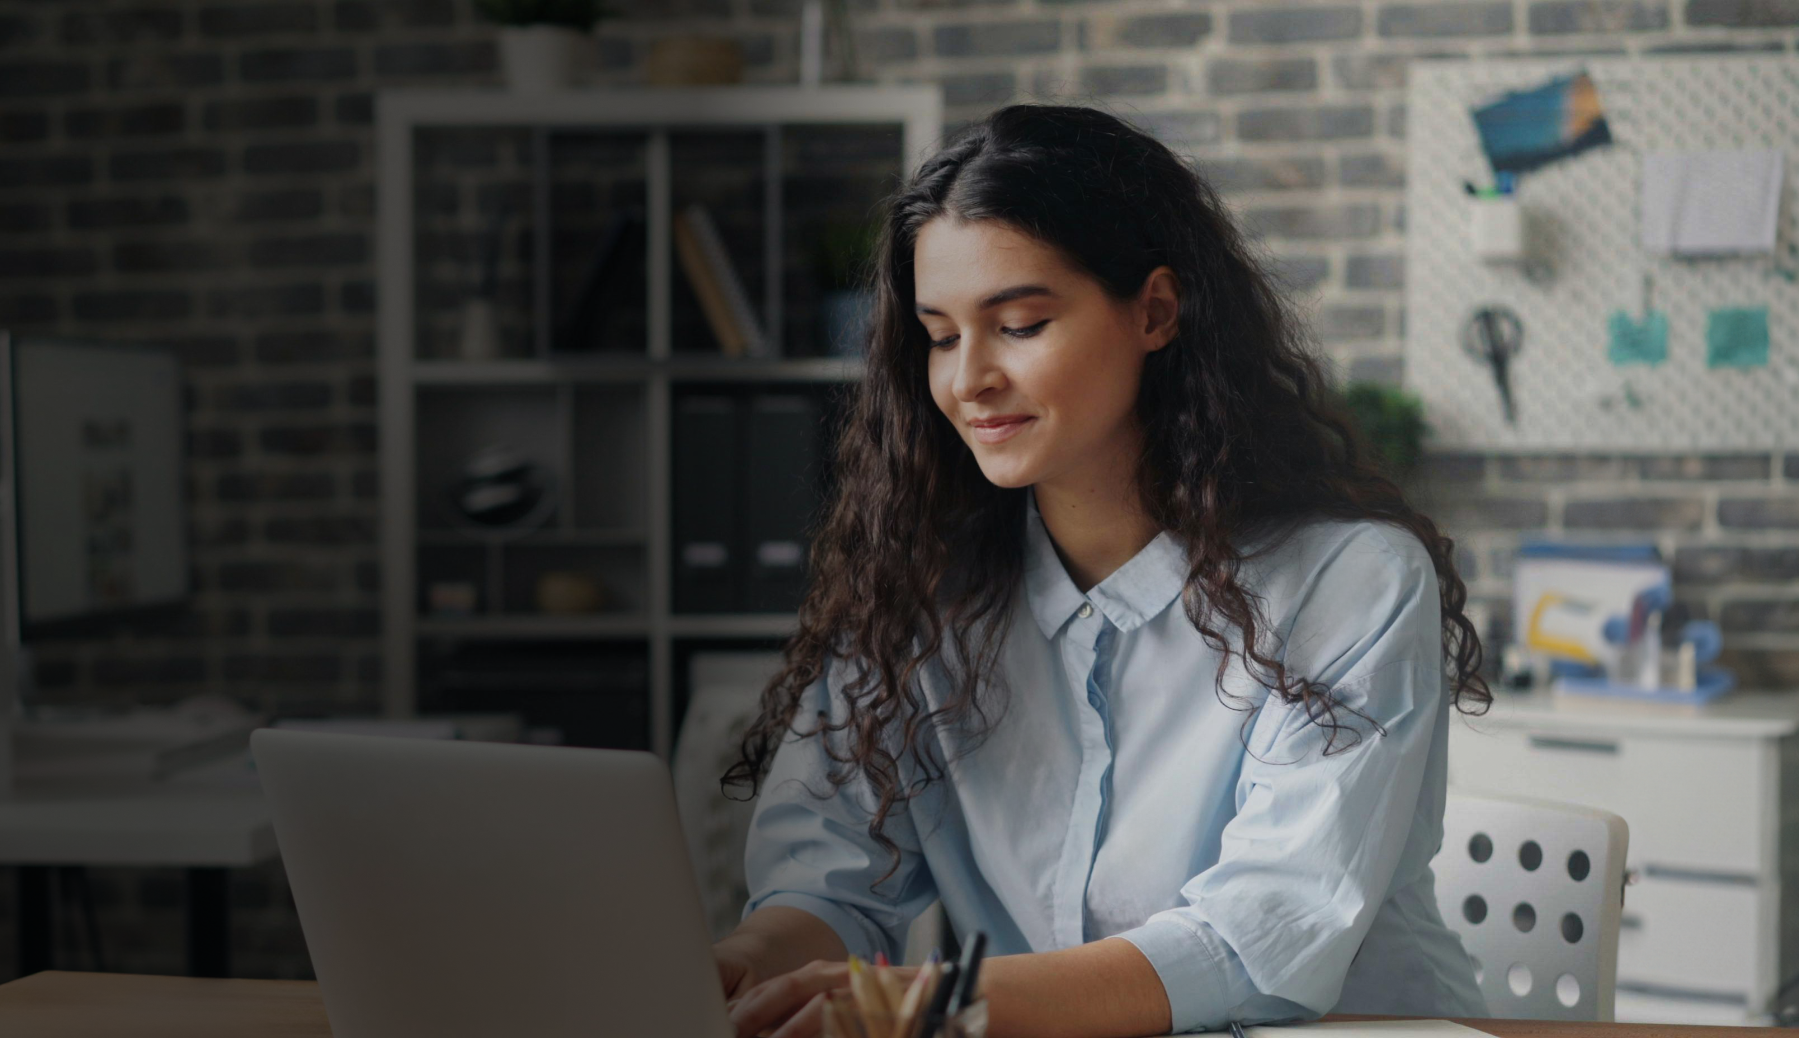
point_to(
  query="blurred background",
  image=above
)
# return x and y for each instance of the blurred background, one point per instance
(467, 369)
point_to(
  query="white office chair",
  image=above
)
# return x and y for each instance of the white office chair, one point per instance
(1535, 889)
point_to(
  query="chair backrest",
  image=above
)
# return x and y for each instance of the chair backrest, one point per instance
(1535, 888)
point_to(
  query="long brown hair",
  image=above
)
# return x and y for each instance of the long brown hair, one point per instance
(918, 550)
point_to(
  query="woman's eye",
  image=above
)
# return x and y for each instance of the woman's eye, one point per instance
(1027, 332)
(940, 343)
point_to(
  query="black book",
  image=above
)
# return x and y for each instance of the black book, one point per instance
(622, 242)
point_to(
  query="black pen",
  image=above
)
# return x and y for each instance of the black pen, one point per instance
(1236, 1030)
(933, 1015)
(967, 973)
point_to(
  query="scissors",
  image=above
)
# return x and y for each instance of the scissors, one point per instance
(1493, 335)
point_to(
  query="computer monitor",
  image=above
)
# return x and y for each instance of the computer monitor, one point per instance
(94, 440)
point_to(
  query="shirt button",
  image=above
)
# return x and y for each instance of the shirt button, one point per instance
(1085, 610)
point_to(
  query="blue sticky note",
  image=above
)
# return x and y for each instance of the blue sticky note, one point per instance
(1638, 342)
(1737, 337)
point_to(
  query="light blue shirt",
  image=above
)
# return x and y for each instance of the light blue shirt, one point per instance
(1118, 797)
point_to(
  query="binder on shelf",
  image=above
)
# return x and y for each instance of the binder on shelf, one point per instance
(781, 497)
(717, 285)
(621, 241)
(704, 483)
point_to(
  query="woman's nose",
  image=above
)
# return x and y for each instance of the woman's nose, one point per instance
(976, 371)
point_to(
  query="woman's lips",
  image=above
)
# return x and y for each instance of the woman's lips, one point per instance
(999, 432)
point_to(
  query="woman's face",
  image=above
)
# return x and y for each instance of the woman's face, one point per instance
(1035, 365)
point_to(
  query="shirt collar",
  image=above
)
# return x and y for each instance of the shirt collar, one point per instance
(1130, 597)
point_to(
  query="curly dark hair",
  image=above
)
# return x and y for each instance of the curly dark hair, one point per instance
(1243, 434)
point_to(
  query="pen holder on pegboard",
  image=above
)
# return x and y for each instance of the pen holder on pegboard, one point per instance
(1496, 228)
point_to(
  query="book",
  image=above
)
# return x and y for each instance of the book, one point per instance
(731, 341)
(736, 325)
(620, 240)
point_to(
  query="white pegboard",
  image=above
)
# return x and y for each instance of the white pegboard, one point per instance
(1582, 216)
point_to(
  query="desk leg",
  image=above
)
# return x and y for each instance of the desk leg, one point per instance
(208, 922)
(34, 919)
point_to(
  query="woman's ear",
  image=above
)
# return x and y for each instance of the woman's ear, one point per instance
(1159, 303)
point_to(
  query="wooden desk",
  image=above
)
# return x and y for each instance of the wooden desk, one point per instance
(112, 1005)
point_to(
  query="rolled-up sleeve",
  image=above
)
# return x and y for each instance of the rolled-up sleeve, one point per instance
(816, 854)
(1270, 930)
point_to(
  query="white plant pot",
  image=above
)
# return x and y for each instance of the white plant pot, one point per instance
(538, 59)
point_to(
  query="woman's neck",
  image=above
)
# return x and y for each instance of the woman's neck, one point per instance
(1096, 527)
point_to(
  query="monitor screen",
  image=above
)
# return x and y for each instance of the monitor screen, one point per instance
(100, 495)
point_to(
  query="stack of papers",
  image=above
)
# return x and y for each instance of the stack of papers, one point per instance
(1709, 203)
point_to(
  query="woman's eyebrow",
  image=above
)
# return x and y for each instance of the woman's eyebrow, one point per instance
(1004, 295)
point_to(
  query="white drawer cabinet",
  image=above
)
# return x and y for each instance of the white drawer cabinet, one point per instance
(1713, 811)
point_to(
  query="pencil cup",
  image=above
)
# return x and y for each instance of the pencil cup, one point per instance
(1496, 226)
(844, 1019)
(971, 1022)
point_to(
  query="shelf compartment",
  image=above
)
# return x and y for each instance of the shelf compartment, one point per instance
(610, 458)
(472, 202)
(724, 172)
(594, 693)
(833, 177)
(456, 422)
(620, 573)
(595, 202)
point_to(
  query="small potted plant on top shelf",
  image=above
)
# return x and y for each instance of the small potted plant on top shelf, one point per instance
(540, 39)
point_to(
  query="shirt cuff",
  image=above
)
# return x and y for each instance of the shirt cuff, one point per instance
(1193, 974)
(859, 935)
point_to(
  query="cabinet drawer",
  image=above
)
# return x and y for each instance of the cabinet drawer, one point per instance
(1693, 804)
(1699, 936)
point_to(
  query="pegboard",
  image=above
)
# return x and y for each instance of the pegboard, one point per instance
(1581, 216)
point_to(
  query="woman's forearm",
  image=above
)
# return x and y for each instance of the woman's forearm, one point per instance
(1106, 989)
(781, 939)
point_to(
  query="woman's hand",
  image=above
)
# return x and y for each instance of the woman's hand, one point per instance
(792, 1004)
(737, 967)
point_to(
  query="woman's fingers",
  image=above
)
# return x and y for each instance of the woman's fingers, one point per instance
(809, 1022)
(773, 1001)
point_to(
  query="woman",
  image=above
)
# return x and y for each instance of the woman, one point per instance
(1116, 643)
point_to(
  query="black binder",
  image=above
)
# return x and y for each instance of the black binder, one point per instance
(705, 487)
(781, 499)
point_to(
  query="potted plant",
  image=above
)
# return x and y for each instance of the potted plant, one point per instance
(1391, 420)
(842, 255)
(540, 39)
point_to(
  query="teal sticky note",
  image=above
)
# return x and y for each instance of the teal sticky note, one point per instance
(1638, 342)
(1737, 337)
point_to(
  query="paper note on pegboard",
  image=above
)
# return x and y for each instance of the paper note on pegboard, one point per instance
(1581, 378)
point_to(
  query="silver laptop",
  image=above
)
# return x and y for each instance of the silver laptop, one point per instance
(476, 889)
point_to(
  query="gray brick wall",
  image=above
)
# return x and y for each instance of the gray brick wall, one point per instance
(199, 173)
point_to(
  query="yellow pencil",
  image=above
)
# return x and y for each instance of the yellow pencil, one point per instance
(916, 998)
(891, 986)
(870, 998)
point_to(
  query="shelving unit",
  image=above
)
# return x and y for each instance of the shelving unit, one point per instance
(541, 174)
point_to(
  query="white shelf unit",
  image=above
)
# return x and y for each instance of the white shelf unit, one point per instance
(642, 377)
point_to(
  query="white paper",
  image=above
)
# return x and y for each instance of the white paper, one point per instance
(1703, 203)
